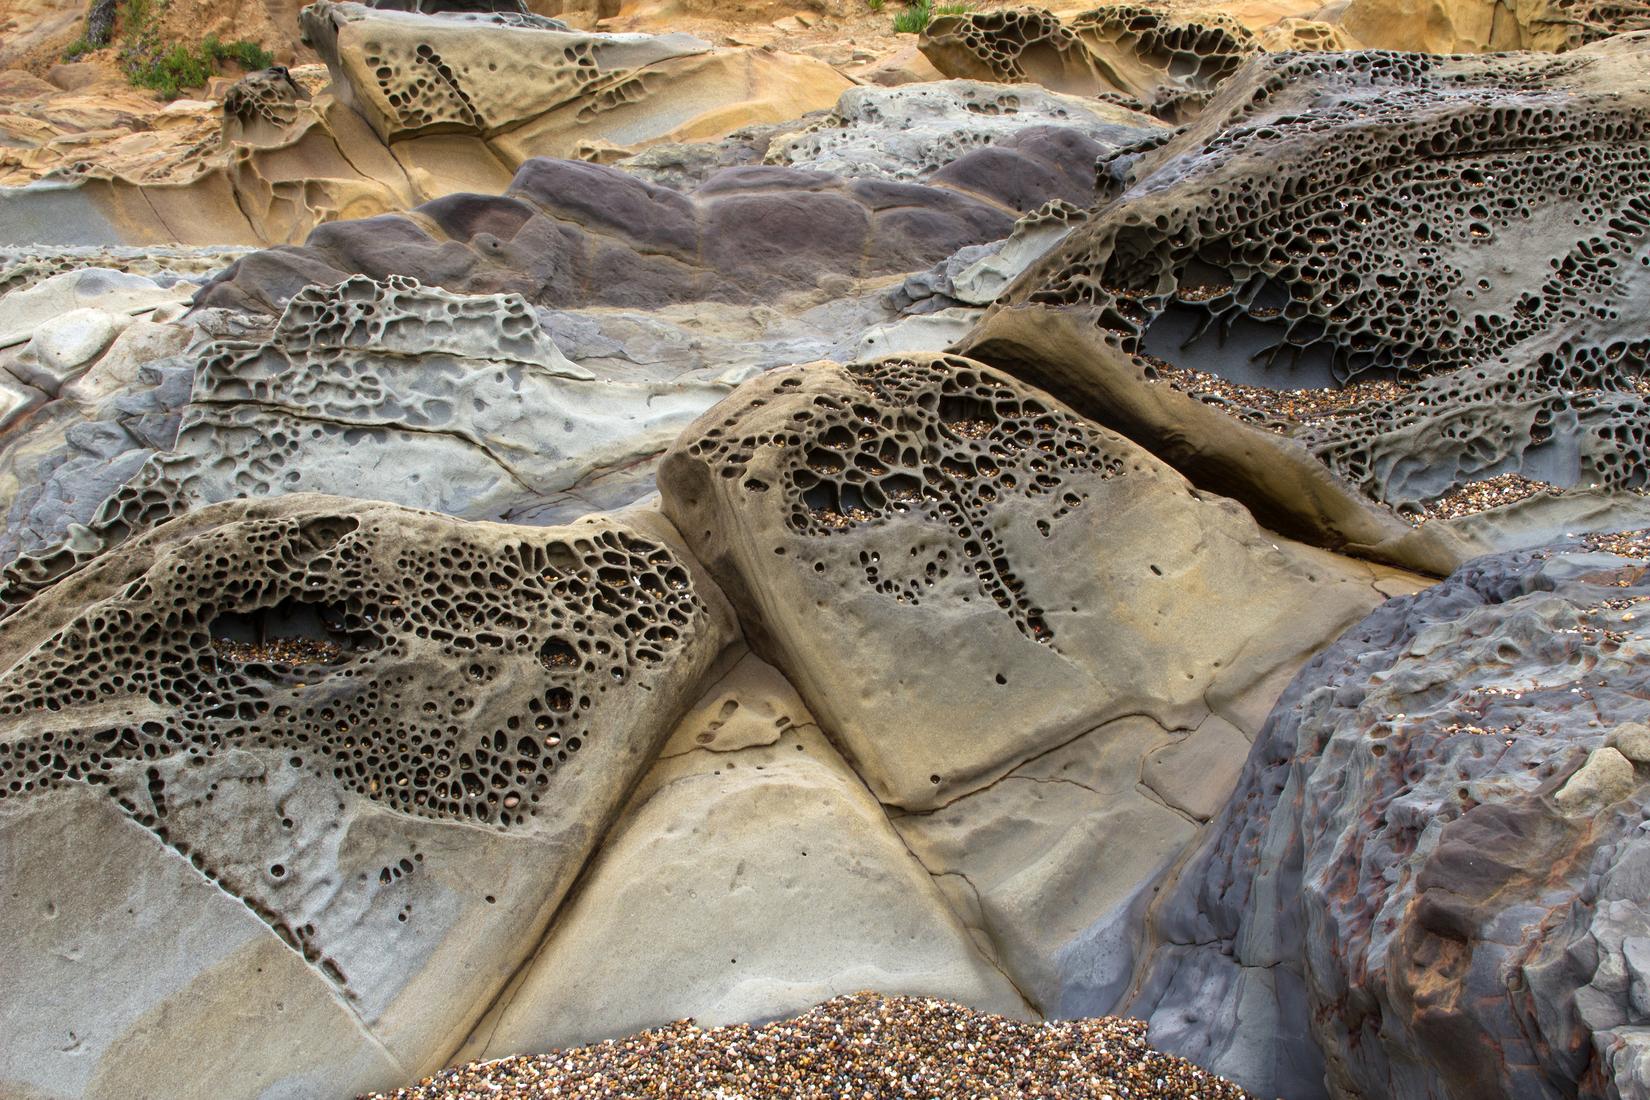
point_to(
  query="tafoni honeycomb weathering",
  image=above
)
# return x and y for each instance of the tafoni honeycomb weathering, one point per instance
(1367, 292)
(389, 737)
(1167, 60)
(353, 373)
(704, 526)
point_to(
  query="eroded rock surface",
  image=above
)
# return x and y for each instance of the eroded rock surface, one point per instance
(858, 515)
(382, 391)
(355, 752)
(570, 233)
(1166, 59)
(1434, 863)
(750, 875)
(1363, 292)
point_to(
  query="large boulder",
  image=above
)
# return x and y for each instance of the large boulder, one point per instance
(320, 764)
(751, 875)
(1430, 881)
(1000, 613)
(1365, 294)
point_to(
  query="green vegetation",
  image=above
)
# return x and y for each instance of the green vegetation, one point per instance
(874, 5)
(149, 61)
(916, 16)
(171, 68)
(914, 19)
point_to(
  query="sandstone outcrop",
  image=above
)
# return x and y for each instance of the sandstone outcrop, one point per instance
(418, 107)
(902, 539)
(1317, 298)
(799, 891)
(323, 763)
(381, 391)
(569, 233)
(1430, 881)
(683, 519)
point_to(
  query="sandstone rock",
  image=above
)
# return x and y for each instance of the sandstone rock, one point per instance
(1169, 59)
(60, 348)
(1197, 773)
(1172, 59)
(317, 761)
(1354, 379)
(25, 308)
(899, 538)
(570, 234)
(1431, 863)
(909, 132)
(1013, 46)
(741, 883)
(1476, 26)
(411, 72)
(1057, 861)
(75, 75)
(1632, 740)
(387, 391)
(1606, 777)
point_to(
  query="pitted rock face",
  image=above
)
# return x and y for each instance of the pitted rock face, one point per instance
(569, 233)
(455, 385)
(1168, 60)
(261, 106)
(1172, 60)
(903, 538)
(304, 636)
(914, 130)
(391, 736)
(1435, 861)
(1013, 46)
(413, 73)
(949, 442)
(1441, 263)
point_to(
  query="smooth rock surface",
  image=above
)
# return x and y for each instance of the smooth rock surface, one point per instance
(751, 875)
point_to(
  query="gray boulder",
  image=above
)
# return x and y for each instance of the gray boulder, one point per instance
(1430, 880)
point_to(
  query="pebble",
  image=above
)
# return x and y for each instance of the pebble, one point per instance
(864, 1046)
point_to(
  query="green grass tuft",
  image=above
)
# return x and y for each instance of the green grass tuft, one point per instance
(914, 19)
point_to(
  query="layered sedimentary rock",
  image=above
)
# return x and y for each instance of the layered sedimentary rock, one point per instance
(321, 763)
(421, 104)
(1368, 292)
(1430, 880)
(570, 233)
